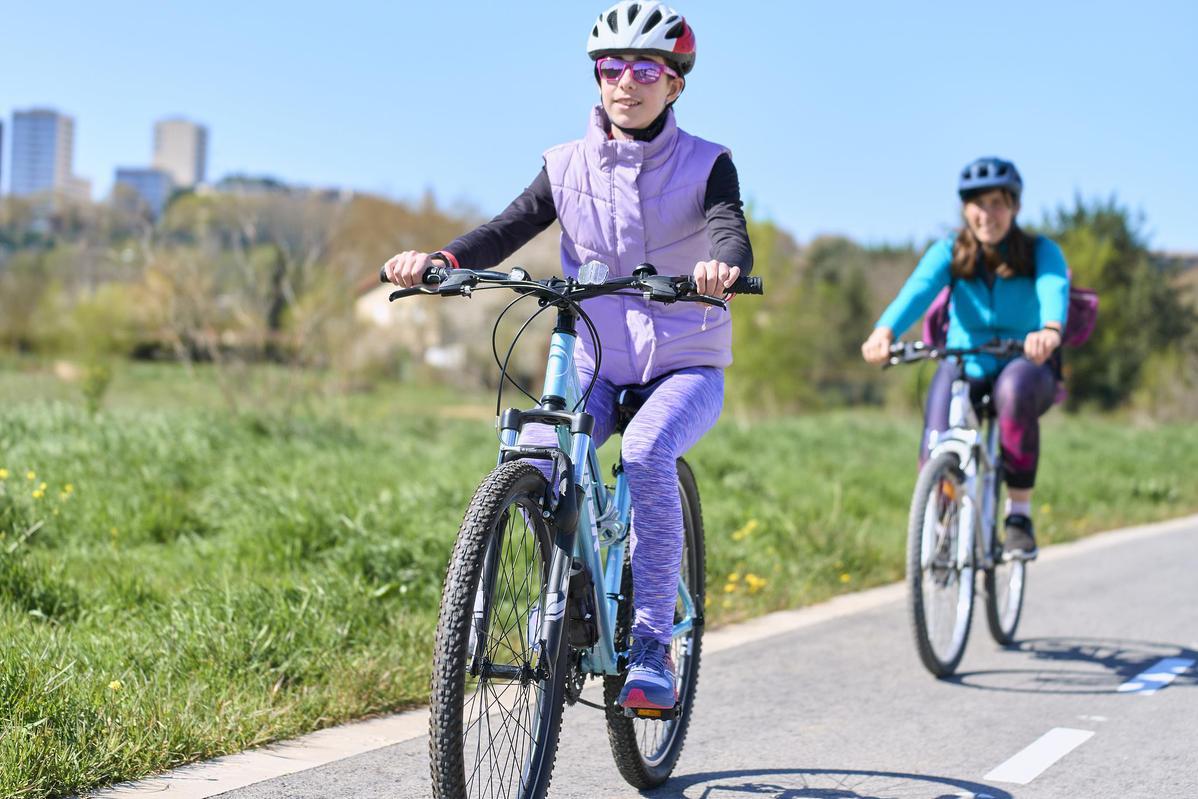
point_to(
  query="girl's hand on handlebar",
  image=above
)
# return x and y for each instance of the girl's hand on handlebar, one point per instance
(876, 348)
(713, 277)
(407, 268)
(1041, 344)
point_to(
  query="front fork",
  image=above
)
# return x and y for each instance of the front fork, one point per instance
(545, 626)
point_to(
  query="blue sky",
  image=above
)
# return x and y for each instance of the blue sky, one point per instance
(845, 117)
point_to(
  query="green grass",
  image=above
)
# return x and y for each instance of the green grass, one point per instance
(211, 581)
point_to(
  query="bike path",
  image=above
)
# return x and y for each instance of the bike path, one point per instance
(1099, 699)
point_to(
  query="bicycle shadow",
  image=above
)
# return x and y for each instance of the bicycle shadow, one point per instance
(1110, 663)
(821, 783)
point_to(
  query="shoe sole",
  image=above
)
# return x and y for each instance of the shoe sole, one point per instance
(636, 699)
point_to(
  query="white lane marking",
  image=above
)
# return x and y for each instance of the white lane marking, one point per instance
(1092, 718)
(1161, 674)
(1034, 759)
(202, 780)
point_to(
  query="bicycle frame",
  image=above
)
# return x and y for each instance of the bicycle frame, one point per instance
(603, 516)
(977, 450)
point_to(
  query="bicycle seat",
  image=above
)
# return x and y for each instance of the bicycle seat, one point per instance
(627, 404)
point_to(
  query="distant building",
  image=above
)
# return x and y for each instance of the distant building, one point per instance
(265, 185)
(181, 149)
(140, 188)
(43, 144)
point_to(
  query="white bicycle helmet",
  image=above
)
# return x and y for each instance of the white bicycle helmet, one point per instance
(638, 27)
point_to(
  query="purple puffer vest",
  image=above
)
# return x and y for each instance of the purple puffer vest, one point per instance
(625, 203)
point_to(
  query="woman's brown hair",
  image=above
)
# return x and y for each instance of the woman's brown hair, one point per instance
(1020, 258)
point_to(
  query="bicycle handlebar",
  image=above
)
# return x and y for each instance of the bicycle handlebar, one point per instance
(915, 351)
(660, 288)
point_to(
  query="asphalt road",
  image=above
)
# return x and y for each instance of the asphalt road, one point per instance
(843, 709)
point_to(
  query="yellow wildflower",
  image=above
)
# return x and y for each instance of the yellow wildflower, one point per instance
(745, 531)
(1046, 508)
(68, 489)
(755, 583)
(3, 474)
(38, 494)
(30, 475)
(734, 577)
(42, 487)
(115, 685)
(729, 588)
(845, 578)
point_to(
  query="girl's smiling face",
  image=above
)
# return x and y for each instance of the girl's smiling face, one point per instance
(989, 215)
(635, 105)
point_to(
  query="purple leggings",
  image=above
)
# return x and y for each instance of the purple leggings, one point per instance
(1022, 391)
(678, 408)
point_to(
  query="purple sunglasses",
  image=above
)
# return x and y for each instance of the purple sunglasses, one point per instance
(645, 72)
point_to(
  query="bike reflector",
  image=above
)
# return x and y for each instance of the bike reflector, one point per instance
(592, 273)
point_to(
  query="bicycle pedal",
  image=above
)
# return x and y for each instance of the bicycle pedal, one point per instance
(652, 713)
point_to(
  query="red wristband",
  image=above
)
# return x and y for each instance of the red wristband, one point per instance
(449, 258)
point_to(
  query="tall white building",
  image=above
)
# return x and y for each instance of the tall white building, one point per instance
(43, 143)
(181, 150)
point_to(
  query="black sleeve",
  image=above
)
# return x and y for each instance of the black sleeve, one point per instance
(725, 213)
(529, 214)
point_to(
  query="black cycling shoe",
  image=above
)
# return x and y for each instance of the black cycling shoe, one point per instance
(1019, 539)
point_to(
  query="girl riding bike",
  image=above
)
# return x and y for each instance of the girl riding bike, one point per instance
(636, 189)
(1004, 284)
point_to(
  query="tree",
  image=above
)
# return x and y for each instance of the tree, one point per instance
(1140, 312)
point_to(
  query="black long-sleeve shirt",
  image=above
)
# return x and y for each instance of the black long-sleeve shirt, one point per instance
(533, 211)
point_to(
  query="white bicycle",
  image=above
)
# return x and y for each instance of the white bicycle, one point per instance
(954, 529)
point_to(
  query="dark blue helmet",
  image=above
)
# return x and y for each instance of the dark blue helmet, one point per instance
(989, 173)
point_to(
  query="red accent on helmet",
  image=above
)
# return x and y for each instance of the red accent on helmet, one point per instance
(685, 44)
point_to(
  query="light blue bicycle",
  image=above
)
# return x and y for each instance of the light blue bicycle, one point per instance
(538, 594)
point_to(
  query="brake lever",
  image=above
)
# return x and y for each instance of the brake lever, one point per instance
(705, 299)
(399, 294)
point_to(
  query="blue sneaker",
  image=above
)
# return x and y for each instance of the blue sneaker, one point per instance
(650, 682)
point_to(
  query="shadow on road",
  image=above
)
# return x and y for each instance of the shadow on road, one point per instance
(1099, 666)
(821, 784)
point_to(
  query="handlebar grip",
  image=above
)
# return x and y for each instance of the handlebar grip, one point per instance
(433, 274)
(746, 285)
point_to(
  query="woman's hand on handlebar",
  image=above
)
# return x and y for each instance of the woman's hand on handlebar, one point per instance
(407, 268)
(1041, 344)
(714, 277)
(876, 348)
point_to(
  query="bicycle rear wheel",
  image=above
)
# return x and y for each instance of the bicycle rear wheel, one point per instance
(940, 588)
(1006, 582)
(496, 698)
(646, 750)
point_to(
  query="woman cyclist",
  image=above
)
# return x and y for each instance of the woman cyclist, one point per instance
(1005, 284)
(636, 188)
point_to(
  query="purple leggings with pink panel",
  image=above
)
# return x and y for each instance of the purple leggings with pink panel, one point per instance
(678, 408)
(1022, 392)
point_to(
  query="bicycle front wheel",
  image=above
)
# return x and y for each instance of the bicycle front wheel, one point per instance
(940, 586)
(646, 750)
(496, 697)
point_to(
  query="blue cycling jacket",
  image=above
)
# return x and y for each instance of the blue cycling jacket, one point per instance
(979, 312)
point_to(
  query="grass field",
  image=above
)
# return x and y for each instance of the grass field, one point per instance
(178, 581)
